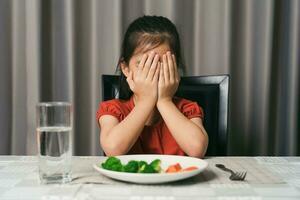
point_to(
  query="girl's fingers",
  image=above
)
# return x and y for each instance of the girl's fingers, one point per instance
(166, 69)
(171, 67)
(153, 67)
(176, 75)
(148, 64)
(157, 73)
(161, 73)
(142, 62)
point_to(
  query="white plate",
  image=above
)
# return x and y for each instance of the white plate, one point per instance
(166, 160)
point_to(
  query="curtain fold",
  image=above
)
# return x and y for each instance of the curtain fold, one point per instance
(57, 50)
(32, 71)
(19, 76)
(5, 77)
(287, 78)
(251, 39)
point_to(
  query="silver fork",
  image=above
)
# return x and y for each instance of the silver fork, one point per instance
(235, 176)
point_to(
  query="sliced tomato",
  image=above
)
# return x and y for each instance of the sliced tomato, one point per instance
(174, 168)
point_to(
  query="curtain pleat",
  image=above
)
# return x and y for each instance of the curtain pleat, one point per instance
(251, 41)
(33, 80)
(19, 76)
(5, 77)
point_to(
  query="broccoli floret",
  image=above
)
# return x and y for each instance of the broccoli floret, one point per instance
(117, 167)
(148, 169)
(132, 166)
(155, 164)
(110, 162)
(142, 165)
(113, 163)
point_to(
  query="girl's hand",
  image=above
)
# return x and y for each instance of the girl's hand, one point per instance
(168, 78)
(144, 82)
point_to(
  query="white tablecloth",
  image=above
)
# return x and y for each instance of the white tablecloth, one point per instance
(267, 178)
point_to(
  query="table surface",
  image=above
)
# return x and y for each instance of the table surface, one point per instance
(267, 178)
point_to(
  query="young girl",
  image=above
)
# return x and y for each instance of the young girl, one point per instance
(149, 119)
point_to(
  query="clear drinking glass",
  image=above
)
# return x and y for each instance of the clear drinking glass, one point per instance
(54, 126)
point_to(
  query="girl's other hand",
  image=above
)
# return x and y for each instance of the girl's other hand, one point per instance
(144, 81)
(168, 78)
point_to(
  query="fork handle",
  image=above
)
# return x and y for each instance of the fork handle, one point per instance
(226, 169)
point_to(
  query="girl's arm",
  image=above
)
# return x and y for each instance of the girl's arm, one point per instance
(190, 135)
(118, 138)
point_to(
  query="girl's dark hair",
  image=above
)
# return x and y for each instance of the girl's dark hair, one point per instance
(146, 33)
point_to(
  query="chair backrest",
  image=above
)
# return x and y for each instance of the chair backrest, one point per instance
(210, 92)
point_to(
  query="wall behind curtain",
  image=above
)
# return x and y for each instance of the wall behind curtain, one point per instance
(56, 50)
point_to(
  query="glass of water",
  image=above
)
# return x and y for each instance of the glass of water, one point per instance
(54, 126)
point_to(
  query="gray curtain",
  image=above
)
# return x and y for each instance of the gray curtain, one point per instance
(56, 50)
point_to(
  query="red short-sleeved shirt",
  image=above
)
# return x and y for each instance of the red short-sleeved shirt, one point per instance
(155, 139)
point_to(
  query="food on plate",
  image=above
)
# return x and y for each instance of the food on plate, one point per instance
(113, 163)
(177, 168)
(174, 168)
(190, 168)
(134, 166)
(155, 164)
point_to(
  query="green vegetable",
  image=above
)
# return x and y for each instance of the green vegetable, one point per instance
(132, 166)
(142, 165)
(156, 165)
(147, 169)
(113, 163)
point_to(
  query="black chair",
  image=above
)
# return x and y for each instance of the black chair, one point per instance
(210, 92)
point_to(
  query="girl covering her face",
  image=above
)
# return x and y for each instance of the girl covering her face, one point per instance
(148, 119)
